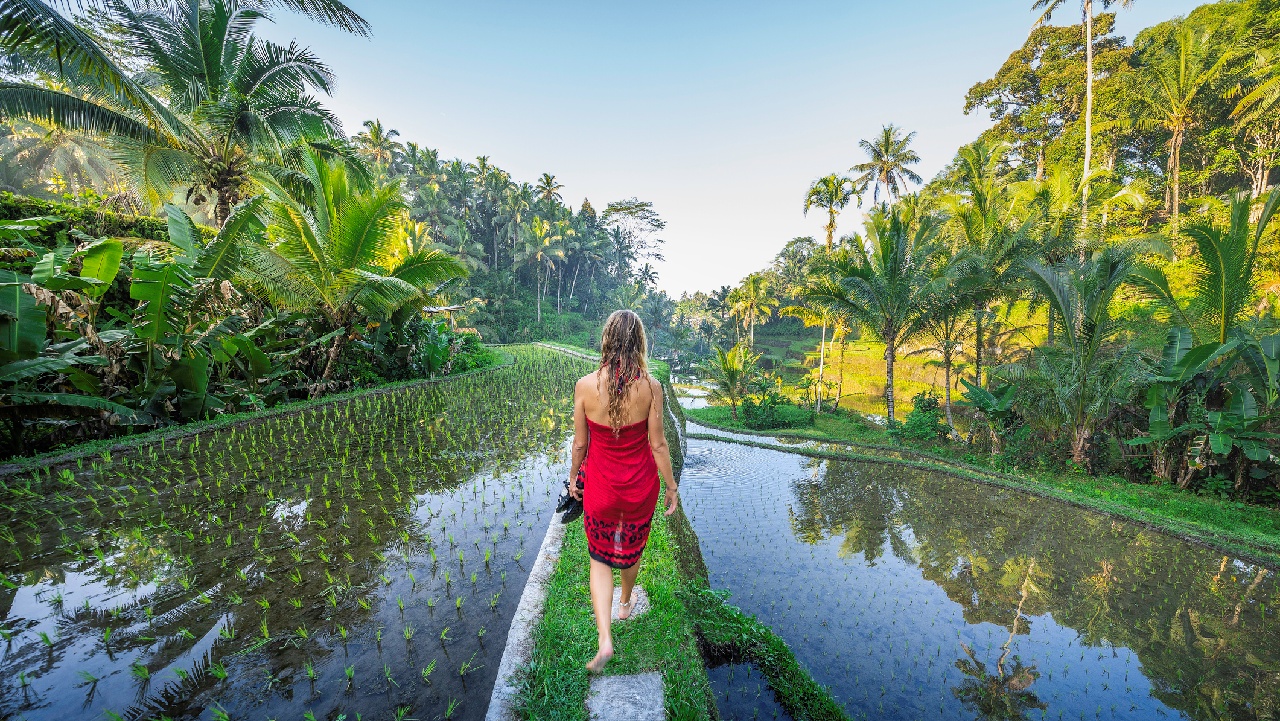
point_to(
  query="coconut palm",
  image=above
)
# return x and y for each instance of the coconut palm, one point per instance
(235, 101)
(1048, 7)
(889, 154)
(378, 144)
(1170, 84)
(988, 246)
(334, 247)
(752, 299)
(813, 317)
(730, 372)
(548, 190)
(542, 248)
(831, 193)
(884, 282)
(513, 209)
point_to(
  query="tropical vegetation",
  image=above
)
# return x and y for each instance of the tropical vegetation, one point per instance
(1093, 278)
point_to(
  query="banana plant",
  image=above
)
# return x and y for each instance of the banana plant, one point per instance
(187, 306)
(995, 406)
(1204, 412)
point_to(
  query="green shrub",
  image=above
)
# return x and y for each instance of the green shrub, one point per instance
(89, 219)
(925, 423)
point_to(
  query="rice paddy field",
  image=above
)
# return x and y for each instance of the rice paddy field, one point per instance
(358, 560)
(916, 595)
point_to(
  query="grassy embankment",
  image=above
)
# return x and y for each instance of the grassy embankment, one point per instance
(683, 612)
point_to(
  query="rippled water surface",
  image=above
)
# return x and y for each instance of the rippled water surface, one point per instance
(913, 595)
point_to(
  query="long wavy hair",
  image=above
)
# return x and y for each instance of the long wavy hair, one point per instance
(622, 360)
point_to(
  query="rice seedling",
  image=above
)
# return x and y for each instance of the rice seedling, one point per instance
(428, 670)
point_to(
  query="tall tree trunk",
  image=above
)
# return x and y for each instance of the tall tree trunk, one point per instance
(822, 362)
(751, 323)
(946, 393)
(334, 350)
(831, 226)
(574, 283)
(1175, 174)
(890, 354)
(977, 348)
(840, 385)
(537, 290)
(559, 285)
(1040, 163)
(1088, 113)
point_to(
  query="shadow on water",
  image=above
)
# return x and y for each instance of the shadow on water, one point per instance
(364, 557)
(913, 594)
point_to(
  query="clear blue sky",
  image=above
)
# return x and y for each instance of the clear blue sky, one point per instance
(720, 113)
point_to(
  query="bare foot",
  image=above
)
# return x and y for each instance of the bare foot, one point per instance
(596, 665)
(625, 609)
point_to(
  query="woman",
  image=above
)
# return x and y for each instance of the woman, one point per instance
(619, 449)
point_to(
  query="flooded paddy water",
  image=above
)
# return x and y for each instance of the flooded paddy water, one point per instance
(915, 595)
(363, 557)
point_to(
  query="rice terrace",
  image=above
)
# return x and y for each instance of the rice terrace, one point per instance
(864, 361)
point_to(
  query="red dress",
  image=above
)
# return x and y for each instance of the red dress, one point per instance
(621, 493)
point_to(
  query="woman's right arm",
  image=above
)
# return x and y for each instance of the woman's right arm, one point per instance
(581, 438)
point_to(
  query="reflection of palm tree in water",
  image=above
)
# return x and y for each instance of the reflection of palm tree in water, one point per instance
(1002, 695)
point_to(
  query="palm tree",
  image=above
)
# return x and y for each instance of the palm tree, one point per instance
(378, 144)
(988, 248)
(1085, 379)
(1169, 86)
(548, 190)
(460, 244)
(516, 202)
(752, 299)
(541, 250)
(889, 155)
(831, 193)
(730, 372)
(1223, 271)
(883, 283)
(947, 321)
(235, 102)
(36, 31)
(1086, 7)
(335, 248)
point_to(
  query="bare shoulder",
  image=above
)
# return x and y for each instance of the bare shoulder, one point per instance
(656, 387)
(587, 382)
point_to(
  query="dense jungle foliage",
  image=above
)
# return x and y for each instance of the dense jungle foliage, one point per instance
(186, 229)
(1094, 276)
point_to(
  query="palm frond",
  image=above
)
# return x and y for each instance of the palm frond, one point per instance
(67, 111)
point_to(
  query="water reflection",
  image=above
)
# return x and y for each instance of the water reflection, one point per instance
(915, 595)
(359, 558)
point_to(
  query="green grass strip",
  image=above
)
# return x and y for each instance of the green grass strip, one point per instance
(555, 683)
(736, 637)
(1248, 532)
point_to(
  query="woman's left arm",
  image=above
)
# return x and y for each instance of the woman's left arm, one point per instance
(581, 438)
(658, 444)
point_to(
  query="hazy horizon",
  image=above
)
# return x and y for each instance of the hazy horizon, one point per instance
(719, 114)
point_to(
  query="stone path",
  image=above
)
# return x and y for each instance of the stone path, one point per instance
(626, 698)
